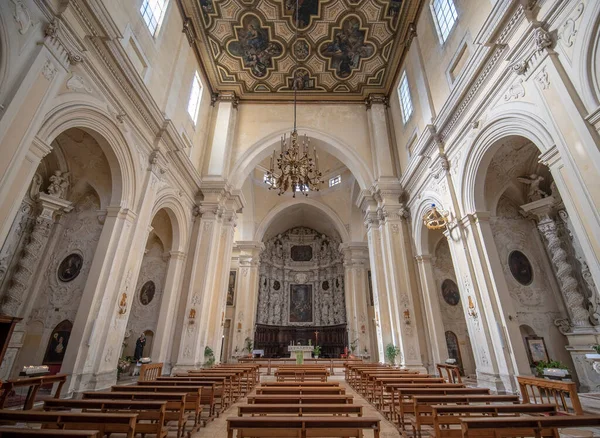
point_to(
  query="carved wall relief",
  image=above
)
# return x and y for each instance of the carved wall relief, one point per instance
(301, 258)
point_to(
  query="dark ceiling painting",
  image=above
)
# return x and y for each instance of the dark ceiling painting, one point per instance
(346, 49)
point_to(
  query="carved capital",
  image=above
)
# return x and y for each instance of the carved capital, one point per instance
(376, 99)
(188, 30)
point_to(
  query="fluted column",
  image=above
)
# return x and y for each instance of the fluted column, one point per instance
(246, 298)
(433, 313)
(356, 266)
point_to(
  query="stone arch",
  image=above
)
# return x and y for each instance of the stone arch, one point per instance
(179, 219)
(420, 232)
(332, 145)
(587, 55)
(516, 122)
(108, 136)
(270, 218)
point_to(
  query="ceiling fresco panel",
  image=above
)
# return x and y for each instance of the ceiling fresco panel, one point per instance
(346, 49)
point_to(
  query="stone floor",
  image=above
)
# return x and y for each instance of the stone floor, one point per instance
(218, 427)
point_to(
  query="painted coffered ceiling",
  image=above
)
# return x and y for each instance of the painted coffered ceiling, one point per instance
(346, 49)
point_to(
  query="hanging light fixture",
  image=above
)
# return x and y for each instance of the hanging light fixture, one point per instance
(294, 168)
(435, 219)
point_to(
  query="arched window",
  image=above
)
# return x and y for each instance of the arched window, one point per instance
(454, 349)
(445, 15)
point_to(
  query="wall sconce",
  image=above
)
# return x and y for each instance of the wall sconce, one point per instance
(407, 317)
(192, 316)
(472, 311)
(239, 327)
(435, 219)
(123, 304)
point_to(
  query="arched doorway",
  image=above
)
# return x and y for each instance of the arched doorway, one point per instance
(57, 346)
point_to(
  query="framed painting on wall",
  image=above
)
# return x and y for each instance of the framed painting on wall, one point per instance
(231, 288)
(536, 350)
(301, 303)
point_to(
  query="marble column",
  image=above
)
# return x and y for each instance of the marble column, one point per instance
(356, 266)
(19, 291)
(246, 299)
(544, 211)
(162, 342)
(207, 292)
(433, 313)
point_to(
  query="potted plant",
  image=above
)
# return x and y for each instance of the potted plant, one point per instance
(391, 351)
(596, 355)
(353, 345)
(209, 355)
(248, 346)
(366, 353)
(553, 367)
(317, 351)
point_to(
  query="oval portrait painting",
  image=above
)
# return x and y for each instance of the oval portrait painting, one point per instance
(147, 292)
(450, 292)
(70, 267)
(520, 267)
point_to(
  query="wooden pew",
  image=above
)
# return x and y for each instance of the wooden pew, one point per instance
(188, 405)
(384, 398)
(232, 382)
(300, 399)
(300, 409)
(299, 384)
(376, 391)
(150, 371)
(302, 375)
(34, 384)
(104, 423)
(536, 390)
(20, 432)
(422, 406)
(310, 390)
(524, 426)
(150, 419)
(212, 390)
(446, 418)
(303, 426)
(449, 372)
(175, 402)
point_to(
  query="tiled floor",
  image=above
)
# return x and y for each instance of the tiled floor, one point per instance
(218, 427)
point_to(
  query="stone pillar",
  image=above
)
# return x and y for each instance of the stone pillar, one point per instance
(223, 135)
(168, 310)
(246, 298)
(207, 292)
(24, 114)
(356, 266)
(19, 291)
(101, 320)
(433, 314)
(543, 211)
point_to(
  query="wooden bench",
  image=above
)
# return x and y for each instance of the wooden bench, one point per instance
(446, 418)
(302, 426)
(300, 409)
(423, 406)
(449, 372)
(21, 432)
(380, 383)
(229, 384)
(297, 399)
(150, 371)
(385, 400)
(150, 419)
(175, 407)
(232, 382)
(299, 384)
(212, 391)
(524, 426)
(34, 384)
(302, 375)
(103, 423)
(536, 390)
(311, 390)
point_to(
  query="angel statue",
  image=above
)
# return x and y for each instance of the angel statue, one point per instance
(59, 183)
(534, 193)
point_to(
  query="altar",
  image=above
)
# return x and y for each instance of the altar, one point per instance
(305, 349)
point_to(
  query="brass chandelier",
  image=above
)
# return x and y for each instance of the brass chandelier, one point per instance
(296, 169)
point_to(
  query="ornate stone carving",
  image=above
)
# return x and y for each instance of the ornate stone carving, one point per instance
(534, 193)
(543, 79)
(22, 16)
(568, 30)
(542, 39)
(77, 83)
(515, 91)
(49, 70)
(59, 184)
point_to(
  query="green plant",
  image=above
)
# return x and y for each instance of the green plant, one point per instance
(539, 368)
(248, 342)
(596, 348)
(317, 350)
(391, 351)
(209, 355)
(353, 345)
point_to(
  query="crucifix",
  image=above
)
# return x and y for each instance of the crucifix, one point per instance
(316, 338)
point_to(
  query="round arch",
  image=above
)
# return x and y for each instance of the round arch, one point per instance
(264, 147)
(517, 122)
(177, 214)
(420, 232)
(280, 208)
(110, 139)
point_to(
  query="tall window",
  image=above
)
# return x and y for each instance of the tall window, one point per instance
(335, 180)
(194, 102)
(153, 12)
(405, 100)
(445, 16)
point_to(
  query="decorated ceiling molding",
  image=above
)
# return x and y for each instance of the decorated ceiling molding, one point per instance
(346, 49)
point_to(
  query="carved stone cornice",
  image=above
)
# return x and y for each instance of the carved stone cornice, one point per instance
(226, 96)
(412, 33)
(188, 30)
(377, 99)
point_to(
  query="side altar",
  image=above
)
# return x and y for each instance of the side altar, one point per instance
(305, 349)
